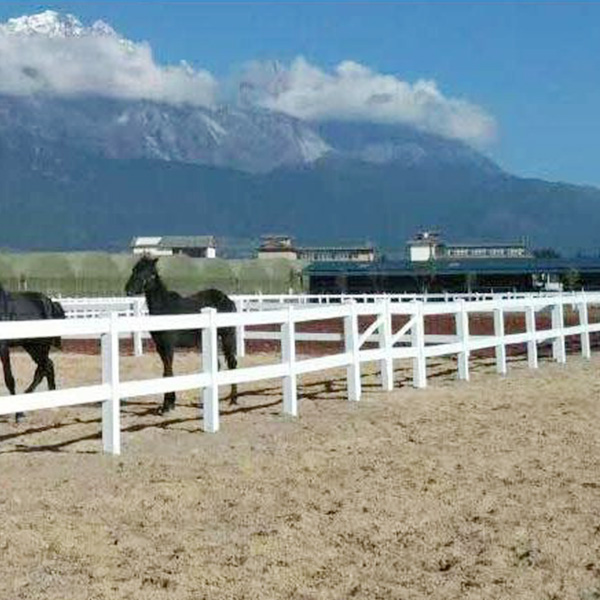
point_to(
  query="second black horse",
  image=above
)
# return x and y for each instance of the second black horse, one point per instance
(23, 306)
(145, 280)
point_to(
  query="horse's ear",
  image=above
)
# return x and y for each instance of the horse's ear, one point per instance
(154, 260)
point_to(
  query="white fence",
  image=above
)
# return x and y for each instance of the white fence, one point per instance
(136, 306)
(407, 342)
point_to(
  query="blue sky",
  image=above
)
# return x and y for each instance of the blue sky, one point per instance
(533, 66)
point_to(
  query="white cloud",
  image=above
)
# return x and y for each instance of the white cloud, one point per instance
(354, 92)
(56, 54)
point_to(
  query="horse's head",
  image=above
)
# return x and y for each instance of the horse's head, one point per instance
(143, 274)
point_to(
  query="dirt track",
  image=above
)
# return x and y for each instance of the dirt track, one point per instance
(487, 490)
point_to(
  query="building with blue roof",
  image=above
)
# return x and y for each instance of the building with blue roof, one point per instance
(431, 267)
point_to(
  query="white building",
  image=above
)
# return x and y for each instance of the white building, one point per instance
(197, 246)
(426, 246)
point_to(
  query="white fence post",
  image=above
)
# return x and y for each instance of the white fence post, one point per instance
(210, 365)
(288, 356)
(351, 344)
(138, 347)
(532, 355)
(462, 330)
(500, 345)
(111, 408)
(584, 322)
(386, 364)
(240, 342)
(558, 322)
(418, 343)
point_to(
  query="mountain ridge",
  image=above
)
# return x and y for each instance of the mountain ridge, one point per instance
(62, 199)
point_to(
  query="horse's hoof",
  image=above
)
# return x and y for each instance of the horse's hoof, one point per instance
(163, 410)
(233, 402)
(19, 417)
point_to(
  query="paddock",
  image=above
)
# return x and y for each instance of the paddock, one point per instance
(411, 457)
(480, 489)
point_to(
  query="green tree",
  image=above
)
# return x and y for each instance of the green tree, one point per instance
(571, 280)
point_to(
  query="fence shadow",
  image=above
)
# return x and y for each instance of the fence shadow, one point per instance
(331, 388)
(163, 424)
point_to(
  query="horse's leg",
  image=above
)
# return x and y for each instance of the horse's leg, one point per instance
(47, 366)
(8, 376)
(166, 351)
(9, 379)
(228, 345)
(40, 357)
(50, 373)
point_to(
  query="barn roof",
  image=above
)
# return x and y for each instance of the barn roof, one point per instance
(187, 241)
(367, 247)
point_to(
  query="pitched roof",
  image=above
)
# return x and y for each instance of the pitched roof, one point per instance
(176, 241)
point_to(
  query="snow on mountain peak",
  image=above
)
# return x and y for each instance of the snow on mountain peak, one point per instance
(51, 23)
(54, 53)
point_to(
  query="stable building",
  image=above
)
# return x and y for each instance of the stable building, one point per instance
(464, 275)
(337, 253)
(196, 246)
(282, 246)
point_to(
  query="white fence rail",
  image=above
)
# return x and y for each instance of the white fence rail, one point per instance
(260, 300)
(408, 342)
(128, 306)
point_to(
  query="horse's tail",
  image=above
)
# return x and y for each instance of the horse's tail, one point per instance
(56, 311)
(223, 303)
(219, 300)
(5, 312)
(231, 307)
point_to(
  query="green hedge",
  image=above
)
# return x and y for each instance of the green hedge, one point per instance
(104, 274)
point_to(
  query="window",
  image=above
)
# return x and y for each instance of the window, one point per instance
(458, 252)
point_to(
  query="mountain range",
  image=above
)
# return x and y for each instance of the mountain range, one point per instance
(90, 172)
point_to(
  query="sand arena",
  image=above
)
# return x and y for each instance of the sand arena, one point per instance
(487, 489)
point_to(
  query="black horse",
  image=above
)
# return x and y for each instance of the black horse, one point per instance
(22, 306)
(161, 301)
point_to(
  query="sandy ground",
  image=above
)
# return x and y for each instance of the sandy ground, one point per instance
(488, 489)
